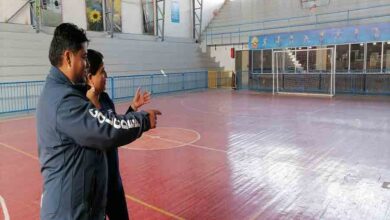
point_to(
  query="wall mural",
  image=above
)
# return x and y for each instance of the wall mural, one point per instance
(94, 15)
(342, 35)
(118, 16)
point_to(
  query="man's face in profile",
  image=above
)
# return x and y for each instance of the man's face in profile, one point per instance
(80, 63)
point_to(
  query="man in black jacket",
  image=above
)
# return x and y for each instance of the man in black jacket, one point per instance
(72, 134)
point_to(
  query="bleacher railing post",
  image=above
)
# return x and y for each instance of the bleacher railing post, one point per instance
(182, 81)
(112, 87)
(151, 83)
(26, 95)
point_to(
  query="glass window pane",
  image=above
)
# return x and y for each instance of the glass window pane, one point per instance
(319, 60)
(257, 61)
(357, 57)
(267, 61)
(342, 59)
(386, 57)
(374, 56)
(302, 59)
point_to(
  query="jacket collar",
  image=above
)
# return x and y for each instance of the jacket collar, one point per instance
(58, 76)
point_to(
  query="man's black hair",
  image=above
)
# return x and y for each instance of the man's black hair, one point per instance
(67, 36)
(95, 59)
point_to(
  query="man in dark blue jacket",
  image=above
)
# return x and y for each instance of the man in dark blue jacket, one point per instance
(73, 135)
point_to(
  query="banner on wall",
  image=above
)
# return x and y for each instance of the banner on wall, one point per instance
(51, 12)
(342, 35)
(118, 16)
(94, 15)
(175, 12)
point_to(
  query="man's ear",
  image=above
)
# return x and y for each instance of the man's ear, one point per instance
(89, 76)
(67, 58)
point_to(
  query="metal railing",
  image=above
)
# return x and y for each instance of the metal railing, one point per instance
(23, 96)
(234, 33)
(35, 14)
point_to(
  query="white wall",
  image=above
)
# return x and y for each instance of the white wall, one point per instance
(222, 55)
(132, 20)
(208, 9)
(74, 11)
(184, 28)
(8, 8)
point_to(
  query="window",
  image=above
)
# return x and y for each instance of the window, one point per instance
(374, 57)
(386, 57)
(256, 60)
(302, 58)
(342, 58)
(267, 61)
(357, 57)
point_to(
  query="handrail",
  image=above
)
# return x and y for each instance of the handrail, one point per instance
(305, 16)
(297, 25)
(35, 19)
(17, 12)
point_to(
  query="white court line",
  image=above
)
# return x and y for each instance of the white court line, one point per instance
(4, 208)
(207, 148)
(16, 118)
(181, 144)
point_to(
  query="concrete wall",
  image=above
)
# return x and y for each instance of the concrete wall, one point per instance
(74, 11)
(222, 55)
(208, 10)
(132, 17)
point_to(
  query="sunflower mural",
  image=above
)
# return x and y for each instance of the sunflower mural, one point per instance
(95, 15)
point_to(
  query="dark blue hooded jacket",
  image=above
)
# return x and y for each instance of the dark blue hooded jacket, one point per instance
(72, 139)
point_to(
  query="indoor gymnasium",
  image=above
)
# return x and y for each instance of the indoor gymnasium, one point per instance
(195, 109)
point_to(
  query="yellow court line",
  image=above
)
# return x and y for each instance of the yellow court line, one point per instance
(19, 151)
(16, 118)
(154, 208)
(127, 196)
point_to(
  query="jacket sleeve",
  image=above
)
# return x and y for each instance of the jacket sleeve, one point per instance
(104, 97)
(130, 109)
(79, 120)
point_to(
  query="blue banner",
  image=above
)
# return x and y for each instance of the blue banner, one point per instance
(175, 12)
(342, 35)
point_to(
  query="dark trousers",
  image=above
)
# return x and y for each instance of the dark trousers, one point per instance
(116, 208)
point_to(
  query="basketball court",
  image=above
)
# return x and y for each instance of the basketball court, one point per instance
(271, 110)
(228, 155)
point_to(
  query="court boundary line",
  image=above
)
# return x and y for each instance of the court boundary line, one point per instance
(16, 118)
(132, 198)
(155, 208)
(4, 208)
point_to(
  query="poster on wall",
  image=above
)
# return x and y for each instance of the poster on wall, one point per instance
(51, 11)
(94, 15)
(118, 16)
(175, 12)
